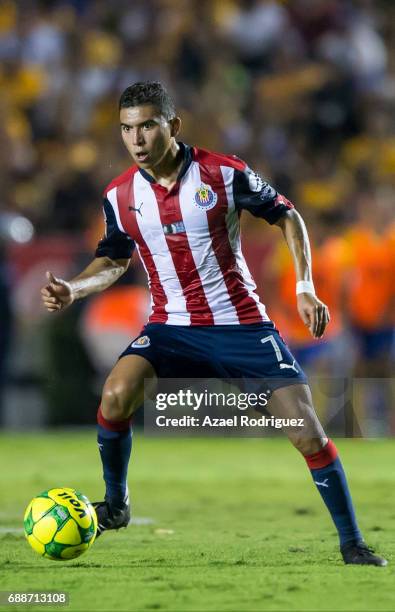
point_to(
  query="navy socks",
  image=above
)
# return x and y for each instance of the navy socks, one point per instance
(330, 479)
(115, 446)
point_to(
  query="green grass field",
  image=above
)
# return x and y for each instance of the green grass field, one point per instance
(235, 525)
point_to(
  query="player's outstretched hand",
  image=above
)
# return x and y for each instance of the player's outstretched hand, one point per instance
(57, 294)
(314, 313)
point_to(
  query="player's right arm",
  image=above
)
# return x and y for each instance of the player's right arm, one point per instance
(101, 273)
(112, 259)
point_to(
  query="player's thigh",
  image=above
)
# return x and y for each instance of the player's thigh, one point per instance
(295, 402)
(123, 391)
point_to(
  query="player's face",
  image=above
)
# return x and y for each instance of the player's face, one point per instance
(147, 135)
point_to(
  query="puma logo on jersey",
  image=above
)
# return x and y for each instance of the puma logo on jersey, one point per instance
(138, 210)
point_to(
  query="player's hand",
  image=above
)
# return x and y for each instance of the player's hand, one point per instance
(314, 313)
(57, 294)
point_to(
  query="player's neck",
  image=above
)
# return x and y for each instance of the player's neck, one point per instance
(166, 172)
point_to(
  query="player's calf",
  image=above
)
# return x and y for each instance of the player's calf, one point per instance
(306, 445)
(122, 395)
(295, 402)
(322, 458)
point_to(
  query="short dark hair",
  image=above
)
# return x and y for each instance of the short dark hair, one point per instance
(149, 92)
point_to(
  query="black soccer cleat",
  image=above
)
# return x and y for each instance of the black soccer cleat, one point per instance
(360, 554)
(109, 517)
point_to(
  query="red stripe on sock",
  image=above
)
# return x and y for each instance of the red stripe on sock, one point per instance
(324, 457)
(112, 425)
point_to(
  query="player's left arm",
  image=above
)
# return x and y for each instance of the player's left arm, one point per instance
(252, 193)
(314, 313)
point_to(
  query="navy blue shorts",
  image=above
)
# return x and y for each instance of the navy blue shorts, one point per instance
(219, 351)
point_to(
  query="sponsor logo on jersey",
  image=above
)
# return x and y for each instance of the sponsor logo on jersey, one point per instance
(141, 342)
(205, 197)
(174, 228)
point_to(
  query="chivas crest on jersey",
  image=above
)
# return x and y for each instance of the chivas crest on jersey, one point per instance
(205, 197)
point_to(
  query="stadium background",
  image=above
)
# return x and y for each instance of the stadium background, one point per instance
(303, 90)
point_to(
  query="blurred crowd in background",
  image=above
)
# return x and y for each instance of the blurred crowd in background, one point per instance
(303, 90)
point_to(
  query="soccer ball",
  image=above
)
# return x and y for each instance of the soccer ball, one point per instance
(60, 524)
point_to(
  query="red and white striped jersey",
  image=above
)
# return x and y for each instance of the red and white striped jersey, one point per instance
(188, 238)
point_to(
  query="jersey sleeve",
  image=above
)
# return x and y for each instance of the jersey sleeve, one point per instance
(115, 244)
(252, 193)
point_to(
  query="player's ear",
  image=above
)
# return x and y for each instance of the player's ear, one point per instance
(175, 126)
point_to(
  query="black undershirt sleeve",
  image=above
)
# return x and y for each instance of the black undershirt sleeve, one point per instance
(115, 244)
(252, 193)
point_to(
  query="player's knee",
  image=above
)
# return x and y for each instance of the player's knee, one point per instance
(117, 400)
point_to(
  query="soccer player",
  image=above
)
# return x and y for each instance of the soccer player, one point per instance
(179, 206)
